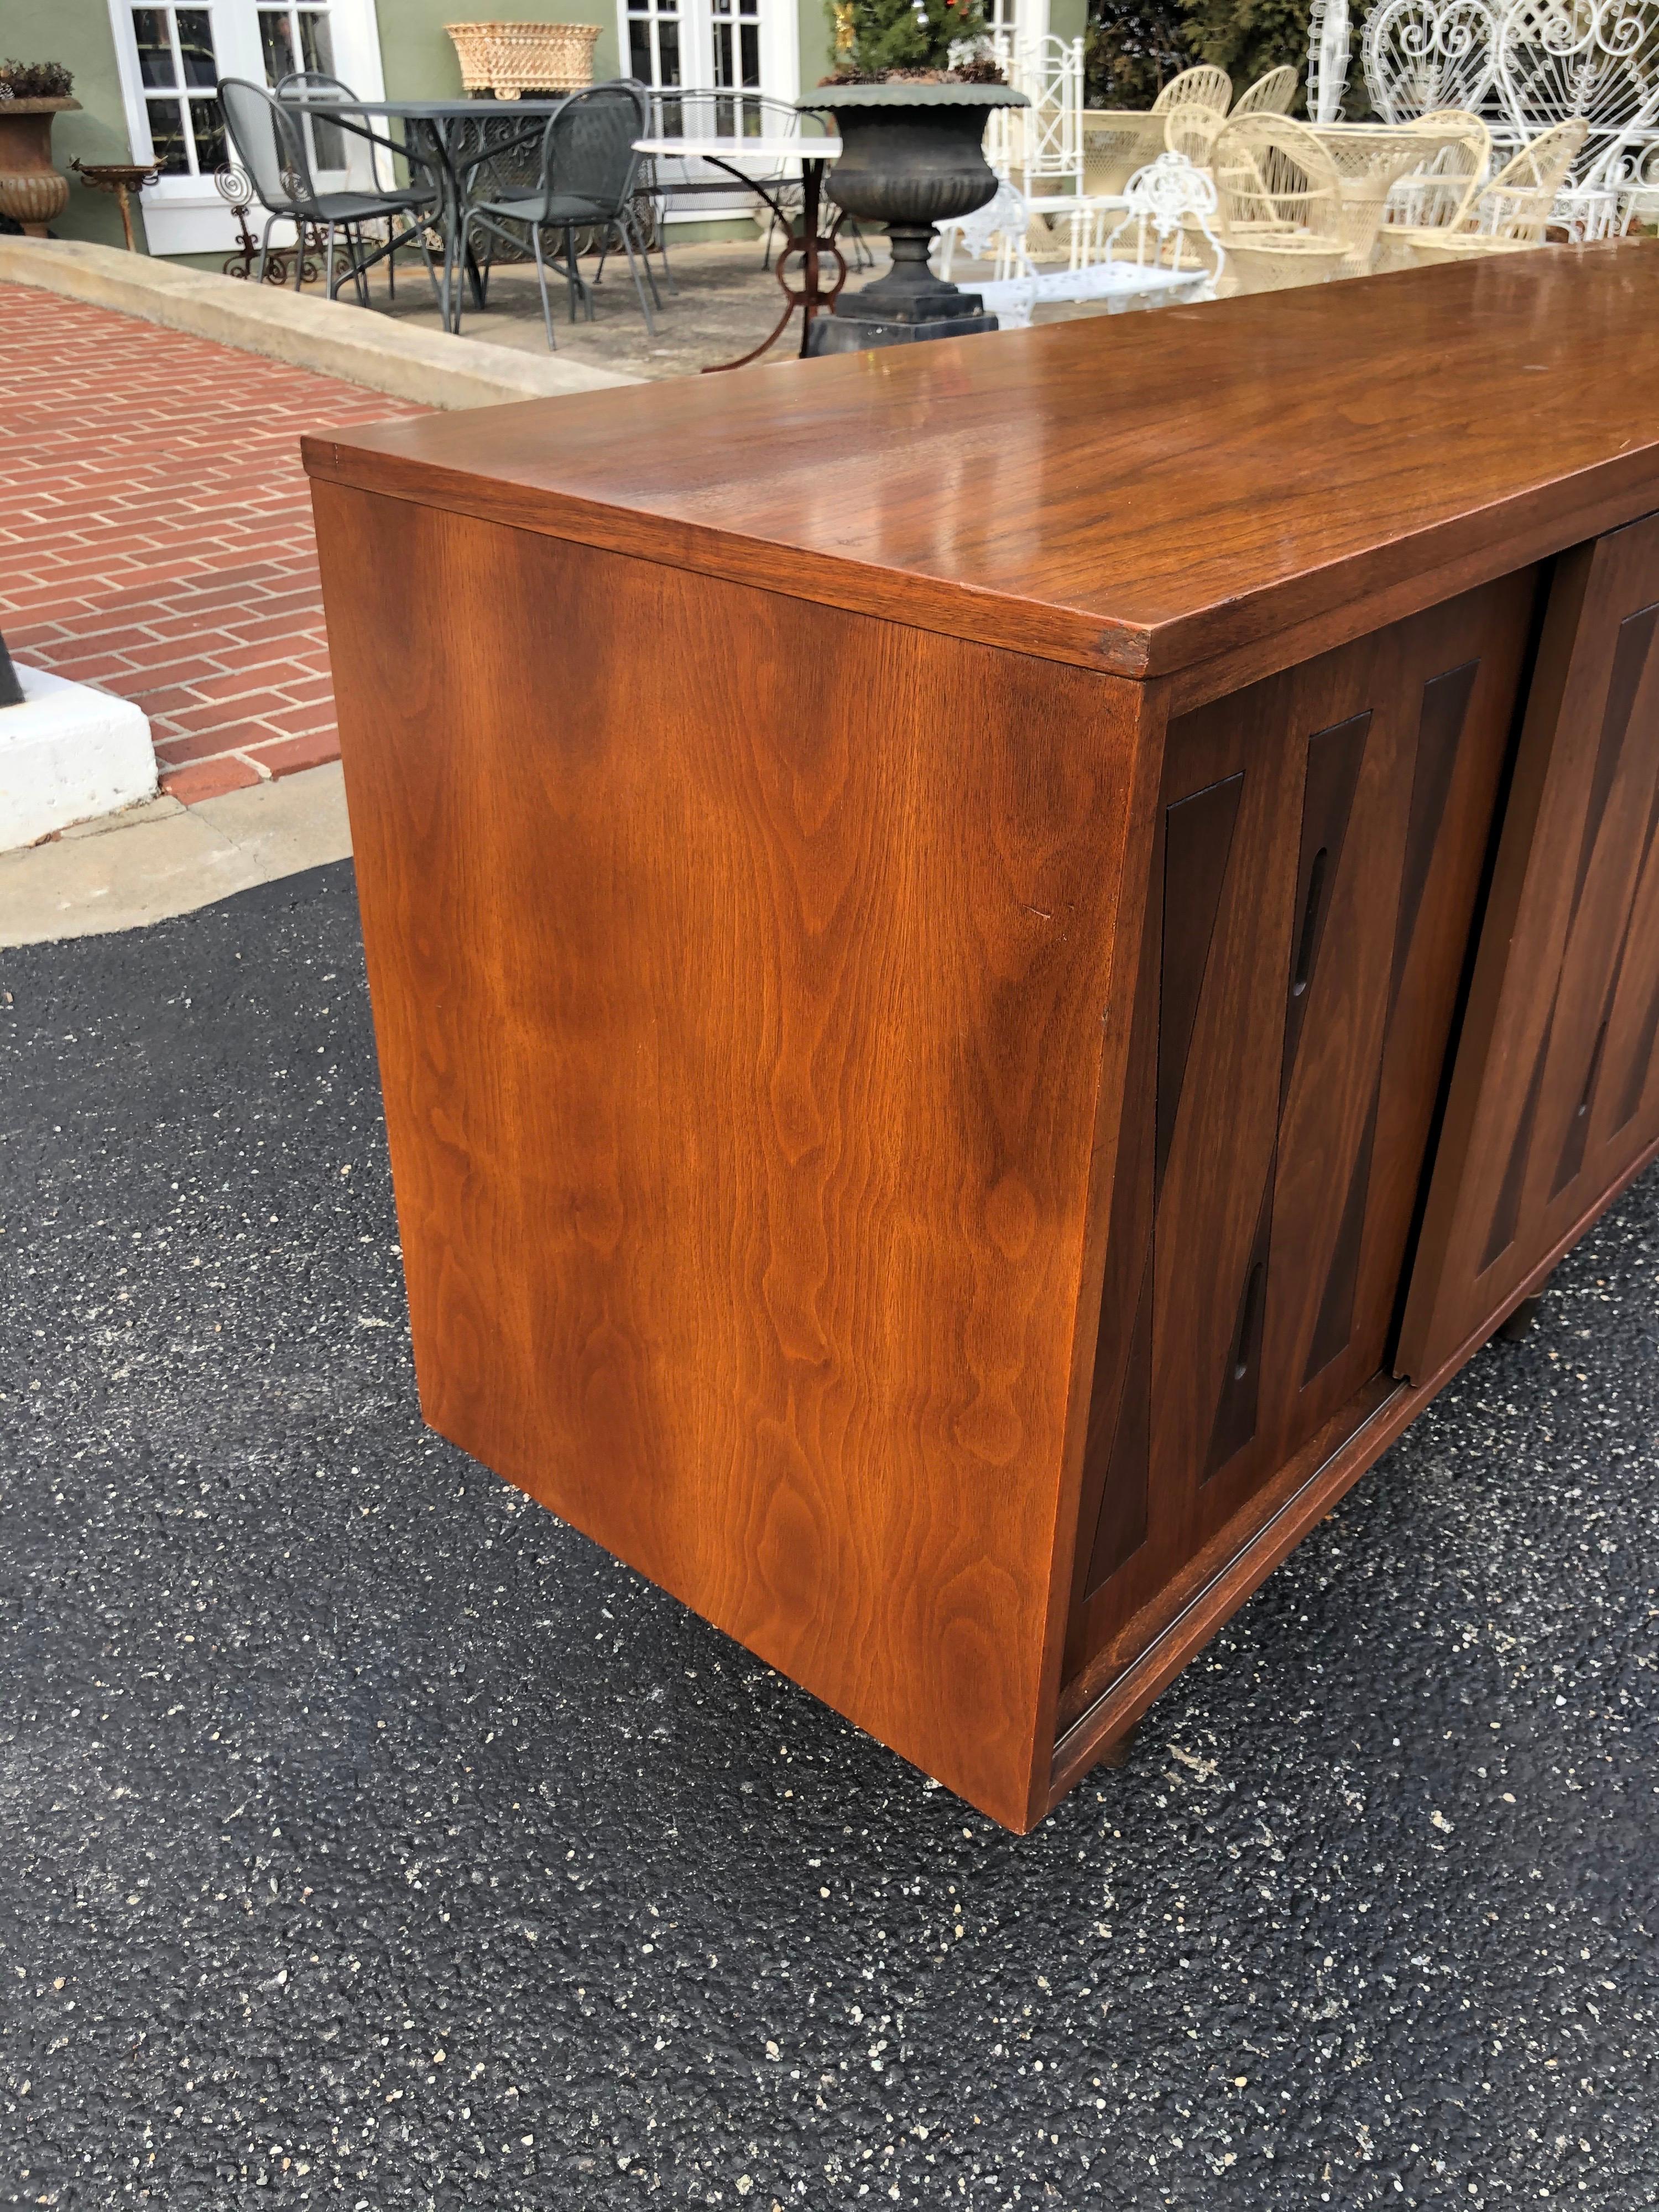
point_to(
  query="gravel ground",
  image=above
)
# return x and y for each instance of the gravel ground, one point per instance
(367, 1838)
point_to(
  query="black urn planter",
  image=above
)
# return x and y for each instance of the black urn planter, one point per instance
(913, 155)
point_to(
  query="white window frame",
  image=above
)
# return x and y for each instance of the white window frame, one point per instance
(780, 77)
(1028, 20)
(185, 215)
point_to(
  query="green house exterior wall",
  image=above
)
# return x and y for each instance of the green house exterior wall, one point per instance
(416, 53)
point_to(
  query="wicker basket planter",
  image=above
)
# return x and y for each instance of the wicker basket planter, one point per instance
(510, 58)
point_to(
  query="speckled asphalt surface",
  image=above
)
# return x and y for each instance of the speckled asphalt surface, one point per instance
(368, 1839)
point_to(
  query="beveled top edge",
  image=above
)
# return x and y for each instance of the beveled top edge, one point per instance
(1138, 494)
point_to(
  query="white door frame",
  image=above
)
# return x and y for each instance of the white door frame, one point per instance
(184, 214)
(779, 76)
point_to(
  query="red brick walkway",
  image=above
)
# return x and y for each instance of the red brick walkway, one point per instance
(156, 532)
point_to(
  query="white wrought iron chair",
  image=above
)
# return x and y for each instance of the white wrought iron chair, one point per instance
(1040, 148)
(1144, 259)
(1510, 214)
(1281, 208)
(1040, 145)
(995, 233)
(1273, 93)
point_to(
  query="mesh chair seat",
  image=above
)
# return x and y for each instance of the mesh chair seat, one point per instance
(584, 180)
(548, 209)
(271, 139)
(363, 207)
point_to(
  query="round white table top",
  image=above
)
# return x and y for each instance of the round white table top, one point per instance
(769, 150)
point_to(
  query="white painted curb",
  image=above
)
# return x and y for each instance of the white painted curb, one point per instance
(66, 754)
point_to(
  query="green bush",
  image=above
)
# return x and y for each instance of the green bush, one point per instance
(1247, 38)
(1131, 48)
(878, 38)
(1135, 46)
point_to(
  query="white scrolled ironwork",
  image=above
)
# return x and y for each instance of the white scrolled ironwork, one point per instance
(1596, 61)
(1421, 55)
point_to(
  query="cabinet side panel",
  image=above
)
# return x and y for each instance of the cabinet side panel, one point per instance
(737, 967)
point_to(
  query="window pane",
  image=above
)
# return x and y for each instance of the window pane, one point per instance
(638, 50)
(751, 40)
(211, 153)
(196, 46)
(316, 43)
(167, 138)
(277, 46)
(149, 29)
(668, 47)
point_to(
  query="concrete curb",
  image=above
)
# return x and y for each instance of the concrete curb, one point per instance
(128, 870)
(324, 335)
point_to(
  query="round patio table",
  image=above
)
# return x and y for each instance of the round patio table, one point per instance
(436, 137)
(806, 243)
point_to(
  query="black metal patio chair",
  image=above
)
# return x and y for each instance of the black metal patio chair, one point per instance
(324, 137)
(585, 182)
(271, 147)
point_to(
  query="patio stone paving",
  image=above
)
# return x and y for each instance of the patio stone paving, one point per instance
(155, 534)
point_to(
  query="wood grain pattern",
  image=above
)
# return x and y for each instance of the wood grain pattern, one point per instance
(1070, 491)
(739, 1005)
(1109, 1697)
(1323, 839)
(1554, 1092)
(916, 1142)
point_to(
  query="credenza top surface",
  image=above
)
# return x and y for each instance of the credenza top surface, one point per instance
(1134, 493)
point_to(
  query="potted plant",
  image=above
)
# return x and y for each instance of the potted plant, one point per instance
(911, 97)
(31, 191)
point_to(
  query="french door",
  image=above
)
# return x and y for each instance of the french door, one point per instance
(171, 58)
(731, 51)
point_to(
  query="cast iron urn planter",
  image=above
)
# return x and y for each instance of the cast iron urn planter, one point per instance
(32, 192)
(913, 155)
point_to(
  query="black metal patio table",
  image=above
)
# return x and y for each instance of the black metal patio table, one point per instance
(437, 135)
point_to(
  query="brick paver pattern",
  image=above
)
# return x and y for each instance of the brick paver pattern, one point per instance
(155, 534)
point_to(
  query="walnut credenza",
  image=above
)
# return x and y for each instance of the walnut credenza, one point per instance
(992, 961)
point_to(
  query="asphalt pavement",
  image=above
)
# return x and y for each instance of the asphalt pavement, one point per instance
(369, 1839)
